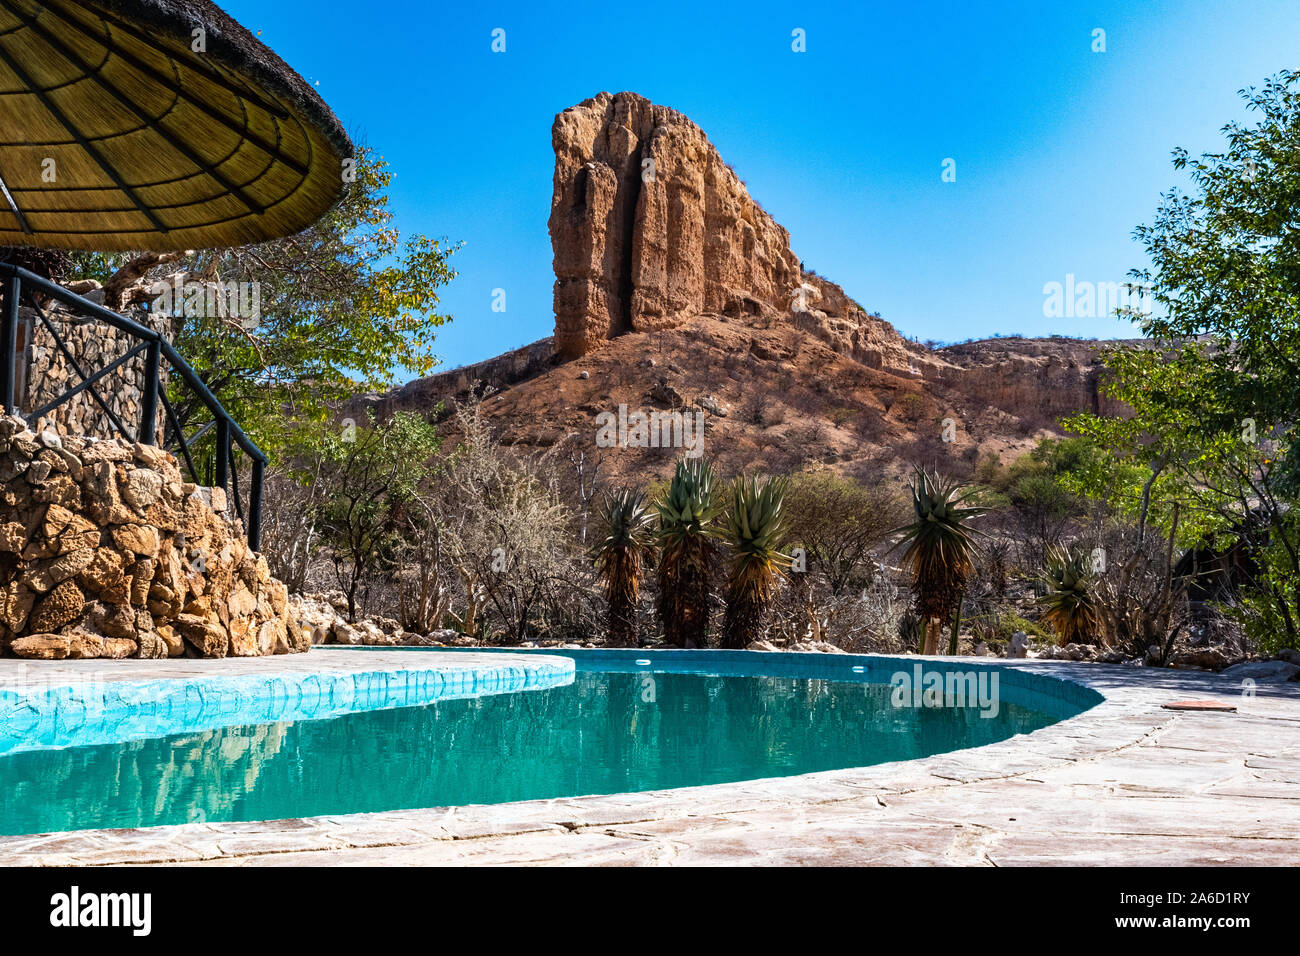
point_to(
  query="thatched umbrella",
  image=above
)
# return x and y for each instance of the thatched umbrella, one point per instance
(154, 125)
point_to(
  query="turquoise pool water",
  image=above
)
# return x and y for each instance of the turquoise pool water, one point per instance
(621, 725)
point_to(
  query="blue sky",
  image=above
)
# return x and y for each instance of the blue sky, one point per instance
(1059, 151)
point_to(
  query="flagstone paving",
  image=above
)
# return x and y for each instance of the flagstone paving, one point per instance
(1125, 782)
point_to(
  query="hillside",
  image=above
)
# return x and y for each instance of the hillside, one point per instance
(775, 398)
(676, 292)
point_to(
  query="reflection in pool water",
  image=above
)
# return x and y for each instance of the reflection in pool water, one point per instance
(605, 733)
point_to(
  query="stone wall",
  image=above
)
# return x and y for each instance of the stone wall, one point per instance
(94, 345)
(105, 551)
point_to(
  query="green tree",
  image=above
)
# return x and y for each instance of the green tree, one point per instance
(373, 474)
(940, 551)
(839, 521)
(346, 306)
(1070, 604)
(1043, 509)
(687, 537)
(1215, 395)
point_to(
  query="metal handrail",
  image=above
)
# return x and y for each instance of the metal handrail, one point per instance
(155, 347)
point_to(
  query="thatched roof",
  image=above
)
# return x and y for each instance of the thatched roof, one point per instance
(154, 146)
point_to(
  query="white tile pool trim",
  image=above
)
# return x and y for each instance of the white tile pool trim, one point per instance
(61, 711)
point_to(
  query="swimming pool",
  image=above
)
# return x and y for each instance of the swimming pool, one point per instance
(618, 721)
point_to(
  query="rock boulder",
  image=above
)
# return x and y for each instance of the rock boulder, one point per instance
(1263, 672)
(107, 552)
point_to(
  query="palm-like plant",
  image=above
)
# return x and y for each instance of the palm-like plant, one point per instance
(755, 527)
(1070, 604)
(940, 550)
(619, 559)
(686, 536)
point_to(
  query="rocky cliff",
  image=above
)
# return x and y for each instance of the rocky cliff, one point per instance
(1056, 377)
(650, 228)
(675, 290)
(496, 373)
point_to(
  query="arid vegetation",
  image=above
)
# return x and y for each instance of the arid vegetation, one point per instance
(866, 507)
(476, 542)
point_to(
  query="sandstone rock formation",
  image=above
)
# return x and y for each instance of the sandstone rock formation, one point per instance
(677, 291)
(650, 228)
(495, 374)
(105, 551)
(1058, 376)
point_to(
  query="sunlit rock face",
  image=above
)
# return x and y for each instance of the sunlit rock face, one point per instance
(650, 228)
(675, 291)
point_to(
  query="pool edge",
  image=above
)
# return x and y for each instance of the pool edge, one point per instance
(1129, 715)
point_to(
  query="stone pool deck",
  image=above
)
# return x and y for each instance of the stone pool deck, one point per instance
(1127, 782)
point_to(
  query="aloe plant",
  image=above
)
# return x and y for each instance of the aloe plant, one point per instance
(620, 558)
(686, 535)
(940, 550)
(1070, 604)
(755, 527)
